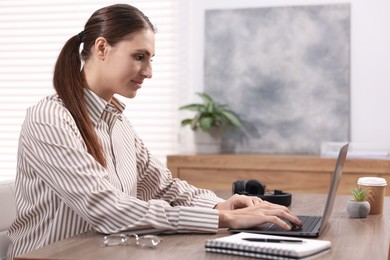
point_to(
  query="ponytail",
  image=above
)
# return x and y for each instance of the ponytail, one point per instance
(69, 83)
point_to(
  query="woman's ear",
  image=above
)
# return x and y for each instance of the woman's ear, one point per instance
(101, 45)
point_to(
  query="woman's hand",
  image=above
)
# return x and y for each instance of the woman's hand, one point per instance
(246, 211)
(237, 202)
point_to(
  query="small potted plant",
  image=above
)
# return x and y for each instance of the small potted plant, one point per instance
(209, 122)
(358, 207)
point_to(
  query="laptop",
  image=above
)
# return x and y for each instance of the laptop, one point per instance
(313, 225)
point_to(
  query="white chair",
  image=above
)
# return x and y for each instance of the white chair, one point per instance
(8, 213)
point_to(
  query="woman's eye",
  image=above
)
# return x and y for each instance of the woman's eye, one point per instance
(139, 57)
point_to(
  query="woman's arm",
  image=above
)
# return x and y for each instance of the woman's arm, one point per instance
(55, 152)
(237, 212)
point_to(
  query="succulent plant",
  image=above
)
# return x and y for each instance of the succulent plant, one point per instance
(359, 194)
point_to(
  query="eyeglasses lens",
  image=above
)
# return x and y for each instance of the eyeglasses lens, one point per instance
(147, 241)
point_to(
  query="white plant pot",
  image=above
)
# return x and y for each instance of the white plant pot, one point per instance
(208, 142)
(357, 209)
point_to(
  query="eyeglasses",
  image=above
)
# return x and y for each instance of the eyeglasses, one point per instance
(146, 241)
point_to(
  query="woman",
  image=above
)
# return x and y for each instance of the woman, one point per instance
(81, 166)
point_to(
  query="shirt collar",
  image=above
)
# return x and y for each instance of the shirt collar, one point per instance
(96, 105)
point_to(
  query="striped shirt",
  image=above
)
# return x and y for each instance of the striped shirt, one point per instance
(62, 191)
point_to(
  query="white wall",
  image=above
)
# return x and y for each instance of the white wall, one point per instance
(370, 61)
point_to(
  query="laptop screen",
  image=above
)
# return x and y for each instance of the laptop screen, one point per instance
(334, 184)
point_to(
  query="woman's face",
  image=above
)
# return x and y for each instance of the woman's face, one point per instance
(124, 67)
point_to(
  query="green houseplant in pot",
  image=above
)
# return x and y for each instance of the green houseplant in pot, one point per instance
(358, 207)
(209, 123)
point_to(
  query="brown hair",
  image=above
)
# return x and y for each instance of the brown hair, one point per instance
(114, 23)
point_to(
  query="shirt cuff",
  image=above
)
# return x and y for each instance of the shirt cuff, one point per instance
(197, 219)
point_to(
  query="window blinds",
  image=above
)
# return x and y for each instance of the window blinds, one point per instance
(33, 33)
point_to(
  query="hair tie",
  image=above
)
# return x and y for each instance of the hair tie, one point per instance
(81, 36)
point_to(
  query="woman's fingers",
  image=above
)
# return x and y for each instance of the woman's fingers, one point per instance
(278, 221)
(258, 214)
(238, 202)
(279, 211)
(248, 211)
(236, 220)
(256, 200)
(283, 216)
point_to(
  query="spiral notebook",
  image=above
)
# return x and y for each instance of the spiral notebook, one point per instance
(267, 246)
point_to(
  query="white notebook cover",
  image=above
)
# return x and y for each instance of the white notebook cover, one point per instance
(234, 244)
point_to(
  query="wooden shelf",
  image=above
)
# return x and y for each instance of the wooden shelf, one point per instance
(290, 173)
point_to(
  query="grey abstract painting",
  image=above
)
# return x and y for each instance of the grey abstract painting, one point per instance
(285, 71)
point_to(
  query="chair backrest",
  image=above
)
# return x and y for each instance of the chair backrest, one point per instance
(8, 213)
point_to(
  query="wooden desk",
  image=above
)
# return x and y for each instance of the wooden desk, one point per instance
(351, 238)
(291, 173)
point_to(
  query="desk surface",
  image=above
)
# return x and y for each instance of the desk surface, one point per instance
(351, 238)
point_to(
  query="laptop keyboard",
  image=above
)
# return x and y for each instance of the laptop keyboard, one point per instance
(309, 222)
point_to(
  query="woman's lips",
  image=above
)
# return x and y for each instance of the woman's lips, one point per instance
(138, 83)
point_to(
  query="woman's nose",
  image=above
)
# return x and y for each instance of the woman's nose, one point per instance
(147, 71)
